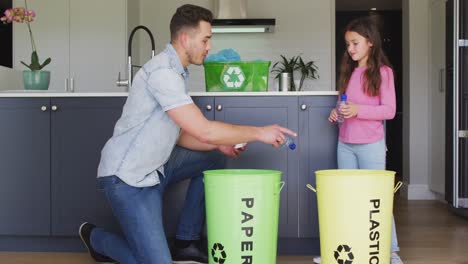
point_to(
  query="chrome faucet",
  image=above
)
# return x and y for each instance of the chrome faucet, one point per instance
(128, 82)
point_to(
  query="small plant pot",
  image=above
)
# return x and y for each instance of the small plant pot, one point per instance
(285, 82)
(36, 80)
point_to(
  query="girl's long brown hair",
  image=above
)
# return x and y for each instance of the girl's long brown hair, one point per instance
(365, 27)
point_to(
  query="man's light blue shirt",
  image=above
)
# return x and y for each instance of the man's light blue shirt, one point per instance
(145, 135)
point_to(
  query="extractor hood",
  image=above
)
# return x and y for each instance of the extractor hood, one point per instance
(231, 17)
(244, 25)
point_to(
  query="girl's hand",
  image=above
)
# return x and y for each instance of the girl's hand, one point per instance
(349, 110)
(333, 116)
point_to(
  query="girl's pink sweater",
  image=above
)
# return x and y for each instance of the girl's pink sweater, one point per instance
(367, 126)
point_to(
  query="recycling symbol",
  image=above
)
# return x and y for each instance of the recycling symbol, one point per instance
(233, 77)
(218, 253)
(343, 255)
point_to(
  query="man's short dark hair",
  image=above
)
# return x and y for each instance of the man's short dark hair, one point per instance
(188, 16)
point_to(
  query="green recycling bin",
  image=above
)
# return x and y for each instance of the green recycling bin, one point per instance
(240, 76)
(242, 208)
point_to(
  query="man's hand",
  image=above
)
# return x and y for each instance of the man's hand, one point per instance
(231, 151)
(275, 135)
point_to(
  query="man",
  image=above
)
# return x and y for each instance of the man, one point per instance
(162, 138)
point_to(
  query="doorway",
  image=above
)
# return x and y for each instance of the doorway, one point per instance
(6, 35)
(390, 26)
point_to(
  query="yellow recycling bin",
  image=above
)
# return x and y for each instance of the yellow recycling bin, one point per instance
(355, 215)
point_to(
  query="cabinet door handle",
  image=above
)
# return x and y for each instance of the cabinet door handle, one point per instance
(441, 80)
(43, 108)
(219, 107)
(72, 85)
(54, 108)
(208, 107)
(303, 107)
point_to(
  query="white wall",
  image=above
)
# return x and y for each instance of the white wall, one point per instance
(10, 78)
(416, 99)
(133, 20)
(302, 27)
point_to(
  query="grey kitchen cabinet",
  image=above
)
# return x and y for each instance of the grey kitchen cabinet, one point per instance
(51, 149)
(206, 105)
(318, 139)
(49, 156)
(25, 164)
(79, 129)
(261, 111)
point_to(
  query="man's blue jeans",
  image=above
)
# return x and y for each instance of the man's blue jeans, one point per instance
(139, 210)
(366, 156)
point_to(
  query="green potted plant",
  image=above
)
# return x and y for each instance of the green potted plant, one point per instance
(34, 78)
(285, 65)
(307, 70)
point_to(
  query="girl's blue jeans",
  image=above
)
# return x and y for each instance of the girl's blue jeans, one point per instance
(366, 156)
(139, 210)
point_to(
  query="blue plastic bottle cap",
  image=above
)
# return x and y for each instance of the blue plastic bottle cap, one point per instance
(343, 97)
(292, 146)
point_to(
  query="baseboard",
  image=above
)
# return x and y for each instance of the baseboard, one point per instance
(286, 246)
(419, 192)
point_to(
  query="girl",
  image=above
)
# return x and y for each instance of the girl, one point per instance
(367, 80)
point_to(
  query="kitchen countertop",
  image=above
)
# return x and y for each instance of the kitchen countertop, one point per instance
(29, 93)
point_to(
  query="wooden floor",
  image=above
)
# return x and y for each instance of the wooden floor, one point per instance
(428, 233)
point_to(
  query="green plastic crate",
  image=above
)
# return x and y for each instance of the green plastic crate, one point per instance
(241, 76)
